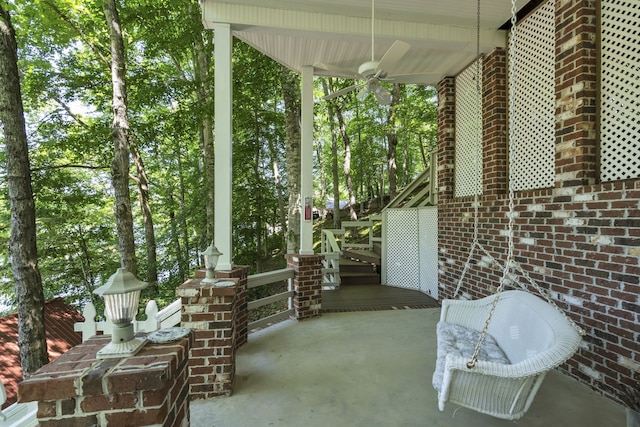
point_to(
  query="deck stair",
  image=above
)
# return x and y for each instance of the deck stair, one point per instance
(359, 267)
(350, 259)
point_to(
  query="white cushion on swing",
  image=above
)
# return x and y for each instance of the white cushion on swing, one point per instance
(461, 341)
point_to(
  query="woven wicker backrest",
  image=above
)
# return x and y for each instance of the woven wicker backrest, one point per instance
(525, 325)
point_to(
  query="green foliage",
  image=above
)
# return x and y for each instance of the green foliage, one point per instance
(368, 127)
(66, 83)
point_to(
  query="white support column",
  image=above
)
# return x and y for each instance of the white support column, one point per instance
(306, 163)
(223, 136)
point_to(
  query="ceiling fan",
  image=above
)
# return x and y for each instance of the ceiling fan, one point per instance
(373, 72)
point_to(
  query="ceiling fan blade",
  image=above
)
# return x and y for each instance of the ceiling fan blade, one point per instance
(397, 50)
(343, 91)
(336, 71)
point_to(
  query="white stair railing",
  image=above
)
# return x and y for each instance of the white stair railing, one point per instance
(330, 249)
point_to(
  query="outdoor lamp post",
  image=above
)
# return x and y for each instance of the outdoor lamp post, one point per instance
(211, 255)
(121, 294)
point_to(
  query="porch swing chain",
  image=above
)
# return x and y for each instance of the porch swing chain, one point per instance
(476, 201)
(509, 261)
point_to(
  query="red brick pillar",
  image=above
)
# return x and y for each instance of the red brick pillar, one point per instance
(576, 98)
(240, 272)
(307, 284)
(494, 120)
(76, 389)
(210, 311)
(446, 137)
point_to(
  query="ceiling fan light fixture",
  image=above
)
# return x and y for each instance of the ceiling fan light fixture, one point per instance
(370, 73)
(382, 95)
(362, 93)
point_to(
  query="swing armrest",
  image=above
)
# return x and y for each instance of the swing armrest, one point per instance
(535, 365)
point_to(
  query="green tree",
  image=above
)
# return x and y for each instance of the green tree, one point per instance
(22, 242)
(120, 135)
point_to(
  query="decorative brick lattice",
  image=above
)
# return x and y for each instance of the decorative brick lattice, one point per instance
(468, 171)
(620, 90)
(533, 112)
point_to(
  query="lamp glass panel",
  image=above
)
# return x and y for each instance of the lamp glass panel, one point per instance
(122, 308)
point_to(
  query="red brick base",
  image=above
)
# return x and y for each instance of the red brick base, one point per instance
(150, 388)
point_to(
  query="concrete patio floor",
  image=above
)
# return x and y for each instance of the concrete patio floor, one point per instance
(370, 369)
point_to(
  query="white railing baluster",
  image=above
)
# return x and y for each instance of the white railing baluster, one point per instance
(156, 319)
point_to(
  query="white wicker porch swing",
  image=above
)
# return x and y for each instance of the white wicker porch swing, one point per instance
(497, 370)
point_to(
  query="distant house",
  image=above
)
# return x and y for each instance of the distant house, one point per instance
(59, 321)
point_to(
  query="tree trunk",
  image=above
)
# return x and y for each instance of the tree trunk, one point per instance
(327, 88)
(259, 199)
(282, 214)
(392, 140)
(423, 154)
(203, 80)
(183, 269)
(347, 163)
(120, 135)
(322, 178)
(145, 207)
(22, 240)
(184, 227)
(360, 164)
(405, 163)
(291, 94)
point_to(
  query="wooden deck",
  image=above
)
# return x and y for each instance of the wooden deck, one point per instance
(374, 297)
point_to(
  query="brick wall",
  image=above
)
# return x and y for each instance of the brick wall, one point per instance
(307, 284)
(240, 272)
(150, 388)
(211, 312)
(580, 240)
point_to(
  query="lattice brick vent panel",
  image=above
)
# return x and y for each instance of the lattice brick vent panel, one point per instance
(403, 255)
(533, 113)
(468, 152)
(620, 90)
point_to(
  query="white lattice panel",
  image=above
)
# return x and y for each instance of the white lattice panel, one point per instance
(412, 249)
(428, 235)
(620, 90)
(403, 255)
(532, 119)
(468, 152)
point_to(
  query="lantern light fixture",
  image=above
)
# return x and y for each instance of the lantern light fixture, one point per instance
(211, 255)
(121, 295)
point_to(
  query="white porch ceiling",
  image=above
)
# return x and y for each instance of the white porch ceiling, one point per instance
(299, 33)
